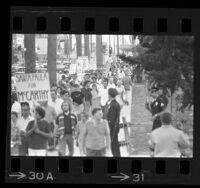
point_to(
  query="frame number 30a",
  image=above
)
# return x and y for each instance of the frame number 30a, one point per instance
(40, 176)
(138, 177)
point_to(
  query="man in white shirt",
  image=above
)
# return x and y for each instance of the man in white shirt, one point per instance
(56, 102)
(167, 141)
(16, 106)
(111, 83)
(103, 93)
(22, 124)
(121, 73)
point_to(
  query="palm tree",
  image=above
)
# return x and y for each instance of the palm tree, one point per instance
(29, 55)
(51, 57)
(86, 46)
(99, 51)
(79, 45)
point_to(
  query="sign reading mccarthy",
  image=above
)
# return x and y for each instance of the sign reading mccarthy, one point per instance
(33, 87)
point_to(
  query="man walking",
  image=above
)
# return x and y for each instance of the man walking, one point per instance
(95, 138)
(103, 93)
(113, 116)
(22, 124)
(38, 133)
(68, 121)
(168, 141)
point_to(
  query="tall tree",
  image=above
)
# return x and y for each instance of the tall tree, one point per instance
(51, 57)
(168, 61)
(118, 44)
(99, 51)
(79, 45)
(86, 46)
(70, 43)
(91, 44)
(67, 46)
(29, 55)
(114, 44)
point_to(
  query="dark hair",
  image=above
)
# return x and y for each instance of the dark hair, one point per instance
(63, 76)
(40, 111)
(76, 85)
(86, 82)
(14, 113)
(166, 118)
(25, 104)
(105, 79)
(54, 85)
(95, 110)
(14, 96)
(62, 92)
(112, 92)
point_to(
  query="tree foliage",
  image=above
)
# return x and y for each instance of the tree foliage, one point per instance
(168, 60)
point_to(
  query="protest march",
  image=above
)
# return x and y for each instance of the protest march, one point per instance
(97, 104)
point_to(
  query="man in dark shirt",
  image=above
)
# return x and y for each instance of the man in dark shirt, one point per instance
(113, 116)
(68, 121)
(77, 97)
(38, 133)
(87, 102)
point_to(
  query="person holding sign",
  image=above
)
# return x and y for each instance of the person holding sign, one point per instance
(38, 133)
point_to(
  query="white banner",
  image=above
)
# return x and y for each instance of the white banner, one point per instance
(72, 69)
(33, 87)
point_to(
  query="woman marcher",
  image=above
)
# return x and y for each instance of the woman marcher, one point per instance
(95, 97)
(79, 129)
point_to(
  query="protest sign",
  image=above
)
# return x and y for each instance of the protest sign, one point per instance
(72, 69)
(33, 87)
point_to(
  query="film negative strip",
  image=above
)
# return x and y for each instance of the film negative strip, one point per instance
(123, 149)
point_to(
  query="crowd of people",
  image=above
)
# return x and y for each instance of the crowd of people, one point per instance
(82, 112)
(86, 114)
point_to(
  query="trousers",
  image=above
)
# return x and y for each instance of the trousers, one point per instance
(95, 153)
(69, 141)
(115, 148)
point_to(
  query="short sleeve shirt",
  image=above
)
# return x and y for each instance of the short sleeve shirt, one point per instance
(35, 140)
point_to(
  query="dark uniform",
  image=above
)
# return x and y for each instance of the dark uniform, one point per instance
(158, 106)
(113, 116)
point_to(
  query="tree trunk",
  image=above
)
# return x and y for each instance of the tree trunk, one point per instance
(90, 43)
(114, 43)
(51, 58)
(29, 55)
(67, 46)
(86, 46)
(123, 42)
(70, 43)
(79, 45)
(99, 53)
(118, 44)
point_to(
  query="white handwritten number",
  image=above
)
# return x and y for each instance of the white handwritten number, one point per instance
(138, 177)
(32, 176)
(36, 176)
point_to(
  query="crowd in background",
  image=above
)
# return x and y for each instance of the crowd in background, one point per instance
(39, 127)
(87, 113)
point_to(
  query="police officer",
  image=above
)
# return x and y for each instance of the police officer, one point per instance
(157, 106)
(113, 116)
